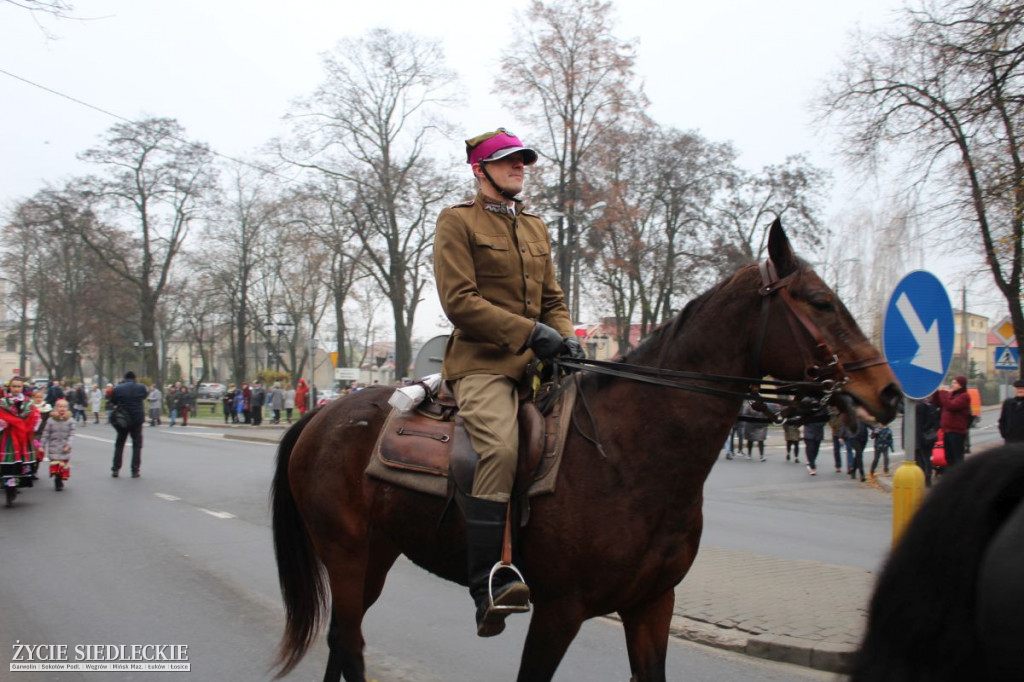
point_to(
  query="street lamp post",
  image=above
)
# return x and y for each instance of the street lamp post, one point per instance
(142, 345)
(275, 330)
(312, 373)
(73, 356)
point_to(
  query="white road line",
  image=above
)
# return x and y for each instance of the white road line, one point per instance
(211, 512)
(218, 514)
(196, 434)
(98, 440)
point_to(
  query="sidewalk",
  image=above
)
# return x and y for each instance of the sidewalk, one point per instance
(802, 612)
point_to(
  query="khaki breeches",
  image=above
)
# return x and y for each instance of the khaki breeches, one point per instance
(489, 404)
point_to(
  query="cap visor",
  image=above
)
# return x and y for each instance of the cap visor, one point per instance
(529, 156)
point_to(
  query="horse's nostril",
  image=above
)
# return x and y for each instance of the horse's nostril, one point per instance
(892, 395)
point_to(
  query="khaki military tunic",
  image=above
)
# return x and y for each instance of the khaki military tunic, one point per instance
(495, 278)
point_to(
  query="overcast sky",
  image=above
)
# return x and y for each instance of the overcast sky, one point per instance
(739, 70)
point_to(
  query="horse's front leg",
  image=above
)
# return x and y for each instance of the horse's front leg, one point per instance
(553, 626)
(646, 629)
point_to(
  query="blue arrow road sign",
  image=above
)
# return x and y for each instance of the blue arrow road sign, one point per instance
(917, 333)
(1007, 358)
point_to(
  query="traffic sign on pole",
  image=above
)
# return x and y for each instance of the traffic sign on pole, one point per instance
(1007, 358)
(917, 339)
(917, 333)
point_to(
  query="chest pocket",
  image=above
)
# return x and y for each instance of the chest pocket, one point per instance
(491, 255)
(539, 259)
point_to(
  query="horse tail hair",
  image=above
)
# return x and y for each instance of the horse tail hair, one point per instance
(299, 570)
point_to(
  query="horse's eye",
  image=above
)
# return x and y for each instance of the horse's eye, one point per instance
(821, 303)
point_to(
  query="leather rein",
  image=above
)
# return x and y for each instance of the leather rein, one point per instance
(802, 400)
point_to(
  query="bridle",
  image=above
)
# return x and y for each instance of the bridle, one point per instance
(804, 400)
(822, 364)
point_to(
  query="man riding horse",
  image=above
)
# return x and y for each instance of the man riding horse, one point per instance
(496, 280)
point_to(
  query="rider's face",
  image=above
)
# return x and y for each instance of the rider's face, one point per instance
(17, 387)
(509, 173)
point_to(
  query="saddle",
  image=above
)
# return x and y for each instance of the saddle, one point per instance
(428, 449)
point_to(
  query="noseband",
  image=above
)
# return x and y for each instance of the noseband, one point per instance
(822, 364)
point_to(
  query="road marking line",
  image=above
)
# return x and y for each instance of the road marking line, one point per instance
(218, 514)
(99, 440)
(165, 496)
(196, 434)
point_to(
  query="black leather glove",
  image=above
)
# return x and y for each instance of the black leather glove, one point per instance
(573, 349)
(545, 341)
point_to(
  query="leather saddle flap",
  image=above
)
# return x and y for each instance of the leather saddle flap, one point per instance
(416, 442)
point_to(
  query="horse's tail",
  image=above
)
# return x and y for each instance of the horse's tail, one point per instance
(299, 570)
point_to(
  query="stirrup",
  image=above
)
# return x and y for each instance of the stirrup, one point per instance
(505, 608)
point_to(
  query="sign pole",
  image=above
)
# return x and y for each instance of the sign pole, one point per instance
(908, 479)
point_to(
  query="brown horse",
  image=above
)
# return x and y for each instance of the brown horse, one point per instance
(634, 510)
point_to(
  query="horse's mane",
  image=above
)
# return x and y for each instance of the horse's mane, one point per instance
(672, 328)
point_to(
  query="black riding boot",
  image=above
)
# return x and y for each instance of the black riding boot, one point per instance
(485, 532)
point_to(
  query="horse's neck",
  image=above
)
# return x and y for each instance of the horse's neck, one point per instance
(706, 344)
(681, 430)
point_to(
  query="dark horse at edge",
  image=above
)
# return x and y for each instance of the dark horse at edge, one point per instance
(636, 511)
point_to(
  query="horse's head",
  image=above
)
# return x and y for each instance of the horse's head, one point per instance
(806, 332)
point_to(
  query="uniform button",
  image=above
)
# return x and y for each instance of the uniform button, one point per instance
(528, 301)
(522, 249)
(527, 277)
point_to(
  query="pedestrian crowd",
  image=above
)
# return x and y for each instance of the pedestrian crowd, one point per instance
(38, 423)
(942, 428)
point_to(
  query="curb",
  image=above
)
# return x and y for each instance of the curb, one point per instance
(825, 656)
(249, 439)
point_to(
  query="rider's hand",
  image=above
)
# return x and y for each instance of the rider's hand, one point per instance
(573, 350)
(545, 341)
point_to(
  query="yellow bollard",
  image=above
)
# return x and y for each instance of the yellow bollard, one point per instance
(907, 491)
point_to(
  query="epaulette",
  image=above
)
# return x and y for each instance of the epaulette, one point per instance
(529, 213)
(463, 204)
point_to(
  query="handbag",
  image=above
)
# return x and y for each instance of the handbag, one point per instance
(939, 453)
(120, 419)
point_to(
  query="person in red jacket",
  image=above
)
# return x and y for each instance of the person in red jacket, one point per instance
(955, 418)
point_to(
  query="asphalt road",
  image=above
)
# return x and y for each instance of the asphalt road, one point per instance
(184, 556)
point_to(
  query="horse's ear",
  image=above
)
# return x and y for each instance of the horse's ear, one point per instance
(779, 249)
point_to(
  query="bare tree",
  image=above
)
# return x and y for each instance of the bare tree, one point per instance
(58, 8)
(656, 242)
(580, 79)
(154, 183)
(946, 89)
(53, 273)
(321, 209)
(367, 126)
(791, 191)
(235, 244)
(20, 277)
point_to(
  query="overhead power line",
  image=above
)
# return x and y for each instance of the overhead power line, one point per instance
(105, 112)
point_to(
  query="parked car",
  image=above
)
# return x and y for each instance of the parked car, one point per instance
(211, 391)
(325, 396)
